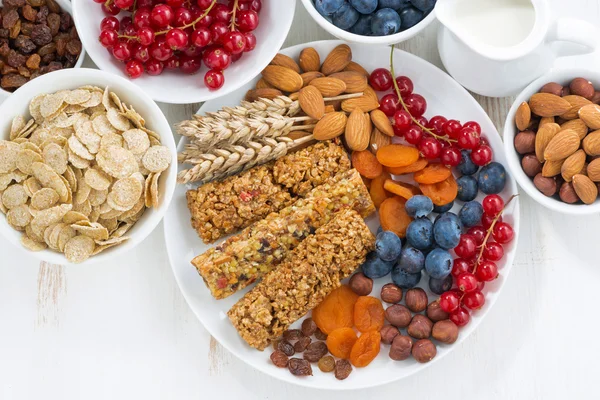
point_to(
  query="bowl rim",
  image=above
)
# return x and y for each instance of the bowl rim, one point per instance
(58, 80)
(352, 37)
(560, 75)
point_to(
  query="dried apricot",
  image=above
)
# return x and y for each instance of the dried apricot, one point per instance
(336, 310)
(368, 314)
(365, 349)
(340, 342)
(366, 164)
(397, 155)
(367, 182)
(402, 189)
(414, 167)
(377, 191)
(433, 173)
(393, 216)
(441, 193)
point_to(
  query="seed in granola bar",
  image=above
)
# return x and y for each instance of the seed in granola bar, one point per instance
(302, 344)
(315, 351)
(319, 334)
(309, 327)
(279, 359)
(326, 364)
(342, 369)
(286, 347)
(292, 335)
(299, 367)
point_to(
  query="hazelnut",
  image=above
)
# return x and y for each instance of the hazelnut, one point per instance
(416, 300)
(553, 88)
(435, 312)
(445, 331)
(547, 186)
(525, 142)
(567, 193)
(401, 348)
(398, 315)
(388, 333)
(424, 350)
(420, 327)
(596, 98)
(582, 87)
(566, 92)
(531, 165)
(360, 284)
(391, 293)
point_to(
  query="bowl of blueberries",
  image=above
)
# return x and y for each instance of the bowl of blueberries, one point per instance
(372, 21)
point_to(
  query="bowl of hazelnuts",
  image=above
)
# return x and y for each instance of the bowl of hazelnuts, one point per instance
(552, 141)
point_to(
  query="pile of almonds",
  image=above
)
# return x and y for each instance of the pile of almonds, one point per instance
(559, 140)
(335, 94)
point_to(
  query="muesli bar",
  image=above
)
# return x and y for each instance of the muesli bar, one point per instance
(314, 269)
(258, 249)
(220, 208)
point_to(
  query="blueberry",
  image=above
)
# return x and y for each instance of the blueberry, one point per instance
(470, 214)
(362, 26)
(492, 178)
(419, 206)
(404, 279)
(410, 17)
(423, 5)
(439, 286)
(466, 166)
(364, 6)
(379, 230)
(444, 208)
(345, 17)
(374, 267)
(438, 263)
(447, 214)
(388, 246)
(411, 260)
(328, 7)
(386, 22)
(467, 188)
(419, 233)
(395, 4)
(447, 230)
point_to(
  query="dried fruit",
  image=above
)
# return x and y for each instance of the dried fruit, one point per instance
(340, 342)
(342, 369)
(311, 101)
(548, 105)
(585, 188)
(404, 190)
(286, 348)
(523, 116)
(299, 367)
(279, 359)
(309, 327)
(366, 164)
(358, 130)
(562, 145)
(302, 344)
(330, 126)
(393, 216)
(433, 173)
(336, 310)
(309, 60)
(337, 60)
(368, 314)
(292, 335)
(326, 364)
(365, 349)
(283, 78)
(377, 189)
(409, 169)
(315, 351)
(397, 155)
(441, 193)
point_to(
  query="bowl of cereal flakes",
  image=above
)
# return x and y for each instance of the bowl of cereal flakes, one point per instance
(87, 166)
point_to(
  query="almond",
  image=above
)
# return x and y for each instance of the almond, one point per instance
(297, 135)
(358, 131)
(283, 78)
(285, 61)
(310, 60)
(562, 145)
(329, 108)
(367, 102)
(294, 96)
(311, 102)
(352, 66)
(576, 103)
(262, 84)
(355, 81)
(330, 126)
(593, 170)
(337, 60)
(307, 77)
(543, 137)
(573, 165)
(523, 116)
(590, 115)
(577, 125)
(548, 105)
(546, 120)
(378, 140)
(591, 143)
(585, 188)
(266, 93)
(552, 168)
(382, 122)
(329, 87)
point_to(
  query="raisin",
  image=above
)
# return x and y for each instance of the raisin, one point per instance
(279, 359)
(10, 19)
(286, 347)
(4, 50)
(74, 47)
(53, 21)
(48, 58)
(54, 66)
(65, 22)
(33, 62)
(315, 351)
(24, 44)
(326, 364)
(275, 344)
(37, 3)
(4, 33)
(29, 13)
(12, 81)
(61, 50)
(302, 344)
(7, 69)
(41, 35)
(73, 59)
(23, 71)
(73, 33)
(299, 367)
(342, 369)
(53, 6)
(35, 74)
(308, 327)
(15, 59)
(41, 15)
(27, 28)
(47, 49)
(292, 335)
(320, 335)
(13, 3)
(15, 30)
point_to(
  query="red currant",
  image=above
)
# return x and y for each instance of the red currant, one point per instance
(459, 266)
(183, 16)
(141, 53)
(402, 121)
(414, 135)
(405, 85)
(109, 23)
(482, 155)
(172, 63)
(111, 8)
(250, 41)
(161, 16)
(473, 125)
(145, 36)
(234, 42)
(123, 4)
(381, 79)
(466, 282)
(160, 50)
(247, 20)
(492, 204)
(174, 3)
(450, 156)
(487, 271)
(493, 251)
(99, 1)
(141, 18)
(430, 147)
(201, 37)
(193, 51)
(487, 220)
(474, 300)
(460, 317)
(134, 69)
(416, 104)
(235, 57)
(484, 142)
(216, 58)
(154, 67)
(108, 38)
(449, 301)
(214, 79)
(220, 12)
(125, 22)
(422, 121)
(144, 3)
(468, 139)
(389, 104)
(478, 233)
(218, 29)
(452, 128)
(204, 4)
(503, 233)
(436, 124)
(121, 51)
(176, 39)
(467, 246)
(189, 65)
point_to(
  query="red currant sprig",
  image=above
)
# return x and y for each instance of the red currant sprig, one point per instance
(236, 6)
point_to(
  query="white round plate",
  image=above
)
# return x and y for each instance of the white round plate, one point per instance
(445, 97)
(174, 87)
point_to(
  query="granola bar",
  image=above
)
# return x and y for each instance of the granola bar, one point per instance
(314, 269)
(246, 257)
(220, 208)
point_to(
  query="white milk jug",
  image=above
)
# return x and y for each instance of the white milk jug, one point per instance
(497, 47)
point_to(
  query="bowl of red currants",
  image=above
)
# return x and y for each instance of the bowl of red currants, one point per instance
(183, 51)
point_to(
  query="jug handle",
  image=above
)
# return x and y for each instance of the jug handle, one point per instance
(575, 31)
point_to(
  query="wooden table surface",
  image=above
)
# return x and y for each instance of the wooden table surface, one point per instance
(123, 330)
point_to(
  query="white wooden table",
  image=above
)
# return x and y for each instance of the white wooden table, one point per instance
(123, 330)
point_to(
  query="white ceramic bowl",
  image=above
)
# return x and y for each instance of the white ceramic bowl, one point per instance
(174, 87)
(351, 37)
(563, 76)
(66, 6)
(129, 93)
